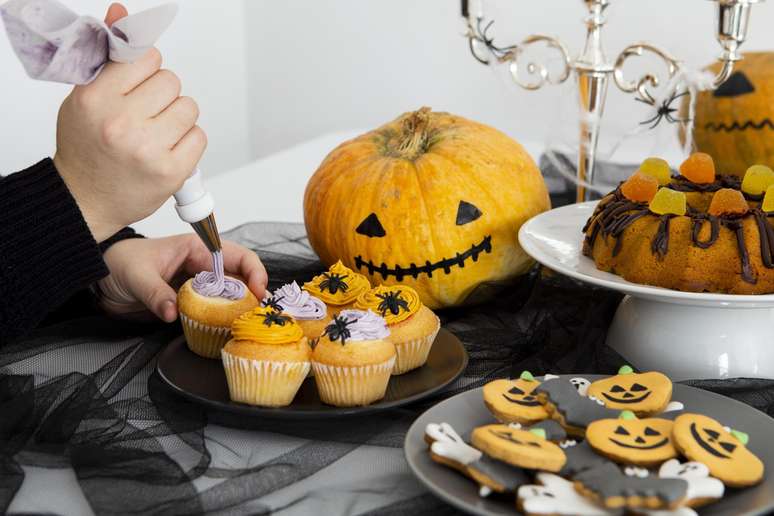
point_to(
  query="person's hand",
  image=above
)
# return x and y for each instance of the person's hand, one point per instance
(141, 271)
(126, 141)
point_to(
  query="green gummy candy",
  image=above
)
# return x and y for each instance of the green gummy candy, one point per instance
(741, 436)
(628, 415)
(627, 369)
(527, 376)
(540, 432)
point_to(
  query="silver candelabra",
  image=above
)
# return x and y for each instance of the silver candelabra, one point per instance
(593, 70)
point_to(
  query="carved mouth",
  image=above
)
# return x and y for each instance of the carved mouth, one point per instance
(524, 402)
(736, 126)
(626, 400)
(701, 442)
(650, 447)
(446, 264)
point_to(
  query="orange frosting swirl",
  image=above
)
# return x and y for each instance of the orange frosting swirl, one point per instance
(266, 326)
(339, 286)
(395, 303)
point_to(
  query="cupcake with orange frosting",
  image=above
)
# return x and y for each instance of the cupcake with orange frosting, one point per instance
(353, 361)
(267, 358)
(308, 311)
(338, 288)
(412, 325)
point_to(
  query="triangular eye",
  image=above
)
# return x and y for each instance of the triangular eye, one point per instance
(466, 212)
(621, 431)
(651, 432)
(713, 434)
(737, 84)
(371, 227)
(638, 388)
(515, 390)
(729, 447)
(617, 388)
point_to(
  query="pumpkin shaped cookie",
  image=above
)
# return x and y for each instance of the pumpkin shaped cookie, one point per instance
(642, 442)
(645, 394)
(513, 401)
(523, 448)
(702, 439)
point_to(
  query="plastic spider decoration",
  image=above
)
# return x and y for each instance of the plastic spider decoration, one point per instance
(665, 111)
(334, 282)
(273, 303)
(476, 33)
(391, 302)
(337, 329)
(277, 318)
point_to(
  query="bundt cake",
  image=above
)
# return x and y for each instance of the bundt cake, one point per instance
(695, 231)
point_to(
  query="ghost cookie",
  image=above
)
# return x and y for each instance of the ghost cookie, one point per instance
(628, 440)
(608, 486)
(702, 488)
(523, 448)
(513, 401)
(645, 394)
(568, 407)
(702, 439)
(556, 496)
(581, 385)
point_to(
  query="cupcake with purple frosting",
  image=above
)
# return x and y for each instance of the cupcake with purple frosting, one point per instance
(308, 311)
(208, 303)
(352, 361)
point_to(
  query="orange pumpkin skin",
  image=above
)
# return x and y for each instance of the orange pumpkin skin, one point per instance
(412, 174)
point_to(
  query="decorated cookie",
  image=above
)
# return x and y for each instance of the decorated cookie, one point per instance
(523, 448)
(702, 439)
(556, 496)
(582, 385)
(580, 457)
(496, 475)
(553, 430)
(512, 401)
(609, 486)
(566, 405)
(702, 488)
(628, 440)
(645, 394)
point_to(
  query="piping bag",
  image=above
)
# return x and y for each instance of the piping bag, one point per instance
(55, 44)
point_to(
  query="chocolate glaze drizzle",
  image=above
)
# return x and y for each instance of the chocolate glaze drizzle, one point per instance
(615, 213)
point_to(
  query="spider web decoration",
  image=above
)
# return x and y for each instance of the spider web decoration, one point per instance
(481, 35)
(665, 110)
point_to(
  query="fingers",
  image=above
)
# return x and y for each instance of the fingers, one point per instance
(172, 124)
(124, 77)
(245, 263)
(157, 295)
(154, 95)
(188, 151)
(115, 12)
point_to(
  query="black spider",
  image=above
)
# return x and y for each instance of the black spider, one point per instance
(482, 36)
(337, 329)
(665, 110)
(273, 303)
(277, 318)
(392, 302)
(334, 282)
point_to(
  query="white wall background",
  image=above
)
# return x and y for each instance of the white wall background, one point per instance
(269, 74)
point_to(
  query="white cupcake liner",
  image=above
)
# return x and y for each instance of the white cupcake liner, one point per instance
(204, 340)
(352, 386)
(412, 354)
(263, 382)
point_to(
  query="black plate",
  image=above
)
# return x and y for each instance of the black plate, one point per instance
(466, 411)
(203, 381)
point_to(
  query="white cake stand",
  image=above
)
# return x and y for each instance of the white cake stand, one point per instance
(686, 335)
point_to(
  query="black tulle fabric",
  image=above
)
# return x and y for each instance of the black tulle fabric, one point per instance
(83, 394)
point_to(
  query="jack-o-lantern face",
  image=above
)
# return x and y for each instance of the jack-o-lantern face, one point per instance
(735, 122)
(644, 394)
(431, 201)
(642, 442)
(524, 448)
(703, 439)
(513, 401)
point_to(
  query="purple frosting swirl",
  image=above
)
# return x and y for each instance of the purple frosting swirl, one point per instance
(216, 284)
(299, 303)
(365, 325)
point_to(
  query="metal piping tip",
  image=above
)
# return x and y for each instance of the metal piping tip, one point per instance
(207, 230)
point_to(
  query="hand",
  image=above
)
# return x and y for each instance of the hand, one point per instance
(126, 141)
(141, 271)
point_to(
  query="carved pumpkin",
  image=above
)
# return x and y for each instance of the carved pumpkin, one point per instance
(735, 123)
(430, 200)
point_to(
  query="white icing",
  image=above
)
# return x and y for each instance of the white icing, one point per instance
(581, 384)
(634, 471)
(569, 443)
(484, 491)
(517, 426)
(599, 401)
(700, 484)
(557, 496)
(674, 405)
(449, 444)
(548, 376)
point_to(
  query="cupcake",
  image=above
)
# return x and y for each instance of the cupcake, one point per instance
(309, 312)
(338, 288)
(352, 361)
(208, 303)
(412, 325)
(267, 359)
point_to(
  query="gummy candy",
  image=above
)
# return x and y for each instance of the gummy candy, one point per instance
(768, 199)
(668, 201)
(640, 188)
(757, 179)
(657, 168)
(698, 168)
(728, 201)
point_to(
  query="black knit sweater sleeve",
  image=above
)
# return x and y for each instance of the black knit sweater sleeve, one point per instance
(47, 252)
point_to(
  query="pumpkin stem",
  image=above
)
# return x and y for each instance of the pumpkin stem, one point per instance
(414, 134)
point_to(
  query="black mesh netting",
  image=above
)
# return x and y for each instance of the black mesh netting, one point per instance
(86, 426)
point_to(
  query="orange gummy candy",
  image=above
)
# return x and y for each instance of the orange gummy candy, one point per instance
(667, 201)
(640, 188)
(698, 168)
(728, 201)
(768, 199)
